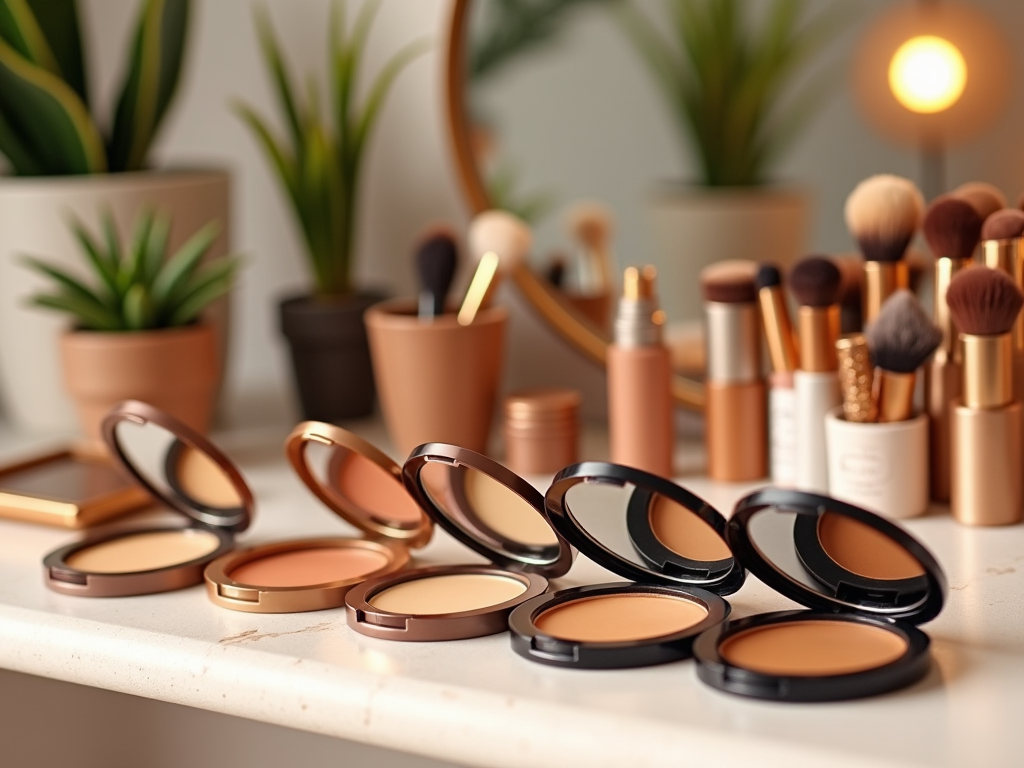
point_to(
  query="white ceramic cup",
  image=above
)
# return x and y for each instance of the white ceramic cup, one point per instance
(881, 467)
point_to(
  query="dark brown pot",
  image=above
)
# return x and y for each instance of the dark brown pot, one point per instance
(330, 355)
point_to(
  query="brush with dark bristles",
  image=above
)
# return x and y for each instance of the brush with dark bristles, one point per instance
(984, 197)
(436, 259)
(952, 228)
(984, 302)
(900, 341)
(815, 282)
(1007, 224)
(730, 282)
(556, 271)
(778, 330)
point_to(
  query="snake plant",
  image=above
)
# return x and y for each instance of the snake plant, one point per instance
(139, 286)
(728, 79)
(46, 127)
(318, 162)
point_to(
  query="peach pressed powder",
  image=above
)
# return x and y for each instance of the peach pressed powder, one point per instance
(620, 617)
(864, 551)
(306, 567)
(369, 486)
(144, 551)
(447, 594)
(683, 532)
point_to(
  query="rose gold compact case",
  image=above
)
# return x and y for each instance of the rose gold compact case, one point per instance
(186, 472)
(496, 514)
(358, 483)
(668, 542)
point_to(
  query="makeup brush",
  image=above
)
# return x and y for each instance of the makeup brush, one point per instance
(778, 330)
(985, 434)
(951, 228)
(815, 282)
(590, 224)
(499, 242)
(882, 213)
(1020, 201)
(1002, 248)
(900, 341)
(851, 293)
(985, 198)
(556, 271)
(782, 351)
(436, 259)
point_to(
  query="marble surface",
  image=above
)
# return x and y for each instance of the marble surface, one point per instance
(475, 702)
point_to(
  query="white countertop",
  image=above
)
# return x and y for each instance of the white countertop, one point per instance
(476, 702)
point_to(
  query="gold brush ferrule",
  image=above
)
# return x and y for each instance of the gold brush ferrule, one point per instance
(881, 280)
(855, 376)
(893, 394)
(988, 370)
(945, 270)
(819, 331)
(1008, 256)
(778, 331)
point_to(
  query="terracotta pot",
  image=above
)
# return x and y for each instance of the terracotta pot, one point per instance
(177, 370)
(33, 219)
(438, 380)
(330, 355)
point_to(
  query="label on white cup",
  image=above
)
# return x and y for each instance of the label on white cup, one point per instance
(782, 435)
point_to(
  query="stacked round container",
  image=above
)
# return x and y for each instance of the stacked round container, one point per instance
(541, 430)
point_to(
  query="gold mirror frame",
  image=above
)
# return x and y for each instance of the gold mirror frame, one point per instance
(545, 300)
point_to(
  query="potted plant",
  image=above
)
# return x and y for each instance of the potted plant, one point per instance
(60, 161)
(728, 82)
(318, 162)
(137, 332)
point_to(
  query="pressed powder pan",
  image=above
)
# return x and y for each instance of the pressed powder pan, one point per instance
(860, 636)
(683, 568)
(151, 448)
(357, 482)
(492, 511)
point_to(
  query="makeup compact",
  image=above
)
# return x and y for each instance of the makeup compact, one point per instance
(496, 514)
(357, 482)
(668, 542)
(190, 476)
(868, 585)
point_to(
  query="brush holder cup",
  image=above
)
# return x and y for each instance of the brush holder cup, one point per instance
(882, 467)
(437, 380)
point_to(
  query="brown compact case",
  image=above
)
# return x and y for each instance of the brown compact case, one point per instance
(492, 511)
(357, 482)
(189, 475)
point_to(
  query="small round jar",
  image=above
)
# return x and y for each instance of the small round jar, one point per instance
(541, 430)
(189, 475)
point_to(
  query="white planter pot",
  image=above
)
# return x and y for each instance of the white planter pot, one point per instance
(33, 220)
(694, 227)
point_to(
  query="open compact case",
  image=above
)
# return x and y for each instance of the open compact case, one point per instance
(868, 585)
(664, 539)
(189, 475)
(358, 483)
(496, 514)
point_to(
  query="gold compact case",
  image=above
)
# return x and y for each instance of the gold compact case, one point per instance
(67, 489)
(357, 482)
(190, 476)
(867, 583)
(492, 511)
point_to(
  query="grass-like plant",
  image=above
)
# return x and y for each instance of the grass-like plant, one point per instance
(728, 79)
(319, 160)
(45, 124)
(139, 287)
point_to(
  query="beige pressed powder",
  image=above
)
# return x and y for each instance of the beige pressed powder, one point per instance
(865, 551)
(813, 648)
(306, 567)
(202, 479)
(505, 512)
(620, 617)
(683, 532)
(447, 594)
(144, 551)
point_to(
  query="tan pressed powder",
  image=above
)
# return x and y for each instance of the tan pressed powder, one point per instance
(503, 511)
(447, 594)
(813, 648)
(615, 618)
(306, 567)
(683, 532)
(202, 479)
(862, 550)
(144, 551)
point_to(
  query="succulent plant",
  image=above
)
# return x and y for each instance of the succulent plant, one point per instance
(45, 124)
(138, 287)
(319, 161)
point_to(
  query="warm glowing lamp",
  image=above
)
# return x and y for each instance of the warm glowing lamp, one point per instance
(927, 74)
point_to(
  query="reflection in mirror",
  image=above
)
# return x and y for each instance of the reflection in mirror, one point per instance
(489, 511)
(360, 487)
(147, 447)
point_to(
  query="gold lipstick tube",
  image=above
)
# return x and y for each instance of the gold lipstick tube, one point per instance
(856, 379)
(985, 431)
(943, 379)
(1008, 256)
(881, 280)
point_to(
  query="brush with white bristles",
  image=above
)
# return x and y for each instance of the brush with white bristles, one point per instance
(499, 242)
(590, 223)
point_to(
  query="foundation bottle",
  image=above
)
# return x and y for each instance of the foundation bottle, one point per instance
(640, 380)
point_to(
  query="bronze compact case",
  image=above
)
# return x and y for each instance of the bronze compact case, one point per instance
(190, 476)
(67, 489)
(867, 583)
(495, 513)
(360, 484)
(667, 541)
